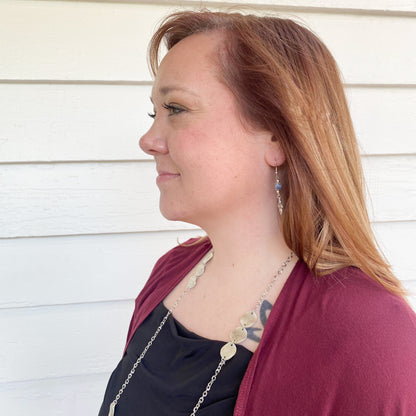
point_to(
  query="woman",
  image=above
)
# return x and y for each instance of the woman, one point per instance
(253, 143)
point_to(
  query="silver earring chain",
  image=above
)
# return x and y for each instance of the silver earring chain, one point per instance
(278, 187)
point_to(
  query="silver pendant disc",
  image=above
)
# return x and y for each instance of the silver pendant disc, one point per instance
(248, 319)
(228, 351)
(238, 335)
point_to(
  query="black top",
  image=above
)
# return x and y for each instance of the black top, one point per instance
(174, 373)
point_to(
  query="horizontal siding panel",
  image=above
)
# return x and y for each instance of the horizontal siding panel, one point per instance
(384, 119)
(43, 122)
(96, 198)
(391, 187)
(369, 49)
(86, 198)
(66, 396)
(107, 41)
(115, 267)
(356, 5)
(396, 240)
(78, 269)
(75, 40)
(64, 341)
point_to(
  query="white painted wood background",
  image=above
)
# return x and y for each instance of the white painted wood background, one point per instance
(79, 223)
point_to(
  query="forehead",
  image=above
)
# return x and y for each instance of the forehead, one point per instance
(193, 60)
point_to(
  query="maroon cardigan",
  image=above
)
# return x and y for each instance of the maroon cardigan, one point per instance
(336, 345)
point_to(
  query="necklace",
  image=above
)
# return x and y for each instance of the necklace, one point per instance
(238, 335)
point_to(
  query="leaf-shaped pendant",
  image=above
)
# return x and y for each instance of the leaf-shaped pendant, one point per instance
(228, 351)
(192, 282)
(200, 270)
(238, 335)
(248, 319)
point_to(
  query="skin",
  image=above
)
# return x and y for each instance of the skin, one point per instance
(218, 173)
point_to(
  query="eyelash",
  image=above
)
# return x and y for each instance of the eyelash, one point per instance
(172, 108)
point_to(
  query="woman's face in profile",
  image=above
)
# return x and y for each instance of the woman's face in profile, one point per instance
(208, 162)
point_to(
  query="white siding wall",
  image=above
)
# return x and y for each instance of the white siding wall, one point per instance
(79, 222)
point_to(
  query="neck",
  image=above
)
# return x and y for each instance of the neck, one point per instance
(246, 249)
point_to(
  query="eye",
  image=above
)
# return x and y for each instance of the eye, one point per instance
(173, 109)
(151, 115)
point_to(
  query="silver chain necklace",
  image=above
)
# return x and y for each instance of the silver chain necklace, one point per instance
(228, 351)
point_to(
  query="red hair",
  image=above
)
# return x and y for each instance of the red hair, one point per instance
(287, 82)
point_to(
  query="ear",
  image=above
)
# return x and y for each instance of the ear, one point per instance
(274, 155)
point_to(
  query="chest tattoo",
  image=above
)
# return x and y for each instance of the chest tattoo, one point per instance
(254, 332)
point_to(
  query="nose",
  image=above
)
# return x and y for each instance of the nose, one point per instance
(153, 142)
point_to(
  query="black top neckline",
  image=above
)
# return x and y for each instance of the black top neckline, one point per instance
(175, 372)
(191, 334)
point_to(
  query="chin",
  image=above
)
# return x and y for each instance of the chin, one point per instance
(172, 213)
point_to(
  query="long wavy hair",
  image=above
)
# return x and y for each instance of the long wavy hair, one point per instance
(287, 82)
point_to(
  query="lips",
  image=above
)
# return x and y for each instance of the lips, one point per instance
(164, 176)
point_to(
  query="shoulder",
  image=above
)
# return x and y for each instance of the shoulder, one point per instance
(347, 293)
(375, 333)
(342, 343)
(367, 333)
(352, 298)
(345, 298)
(351, 306)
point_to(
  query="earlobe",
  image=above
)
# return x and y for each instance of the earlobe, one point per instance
(274, 155)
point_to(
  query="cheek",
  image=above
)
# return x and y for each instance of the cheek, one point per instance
(189, 148)
(215, 151)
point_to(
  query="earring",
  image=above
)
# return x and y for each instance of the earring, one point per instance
(278, 187)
